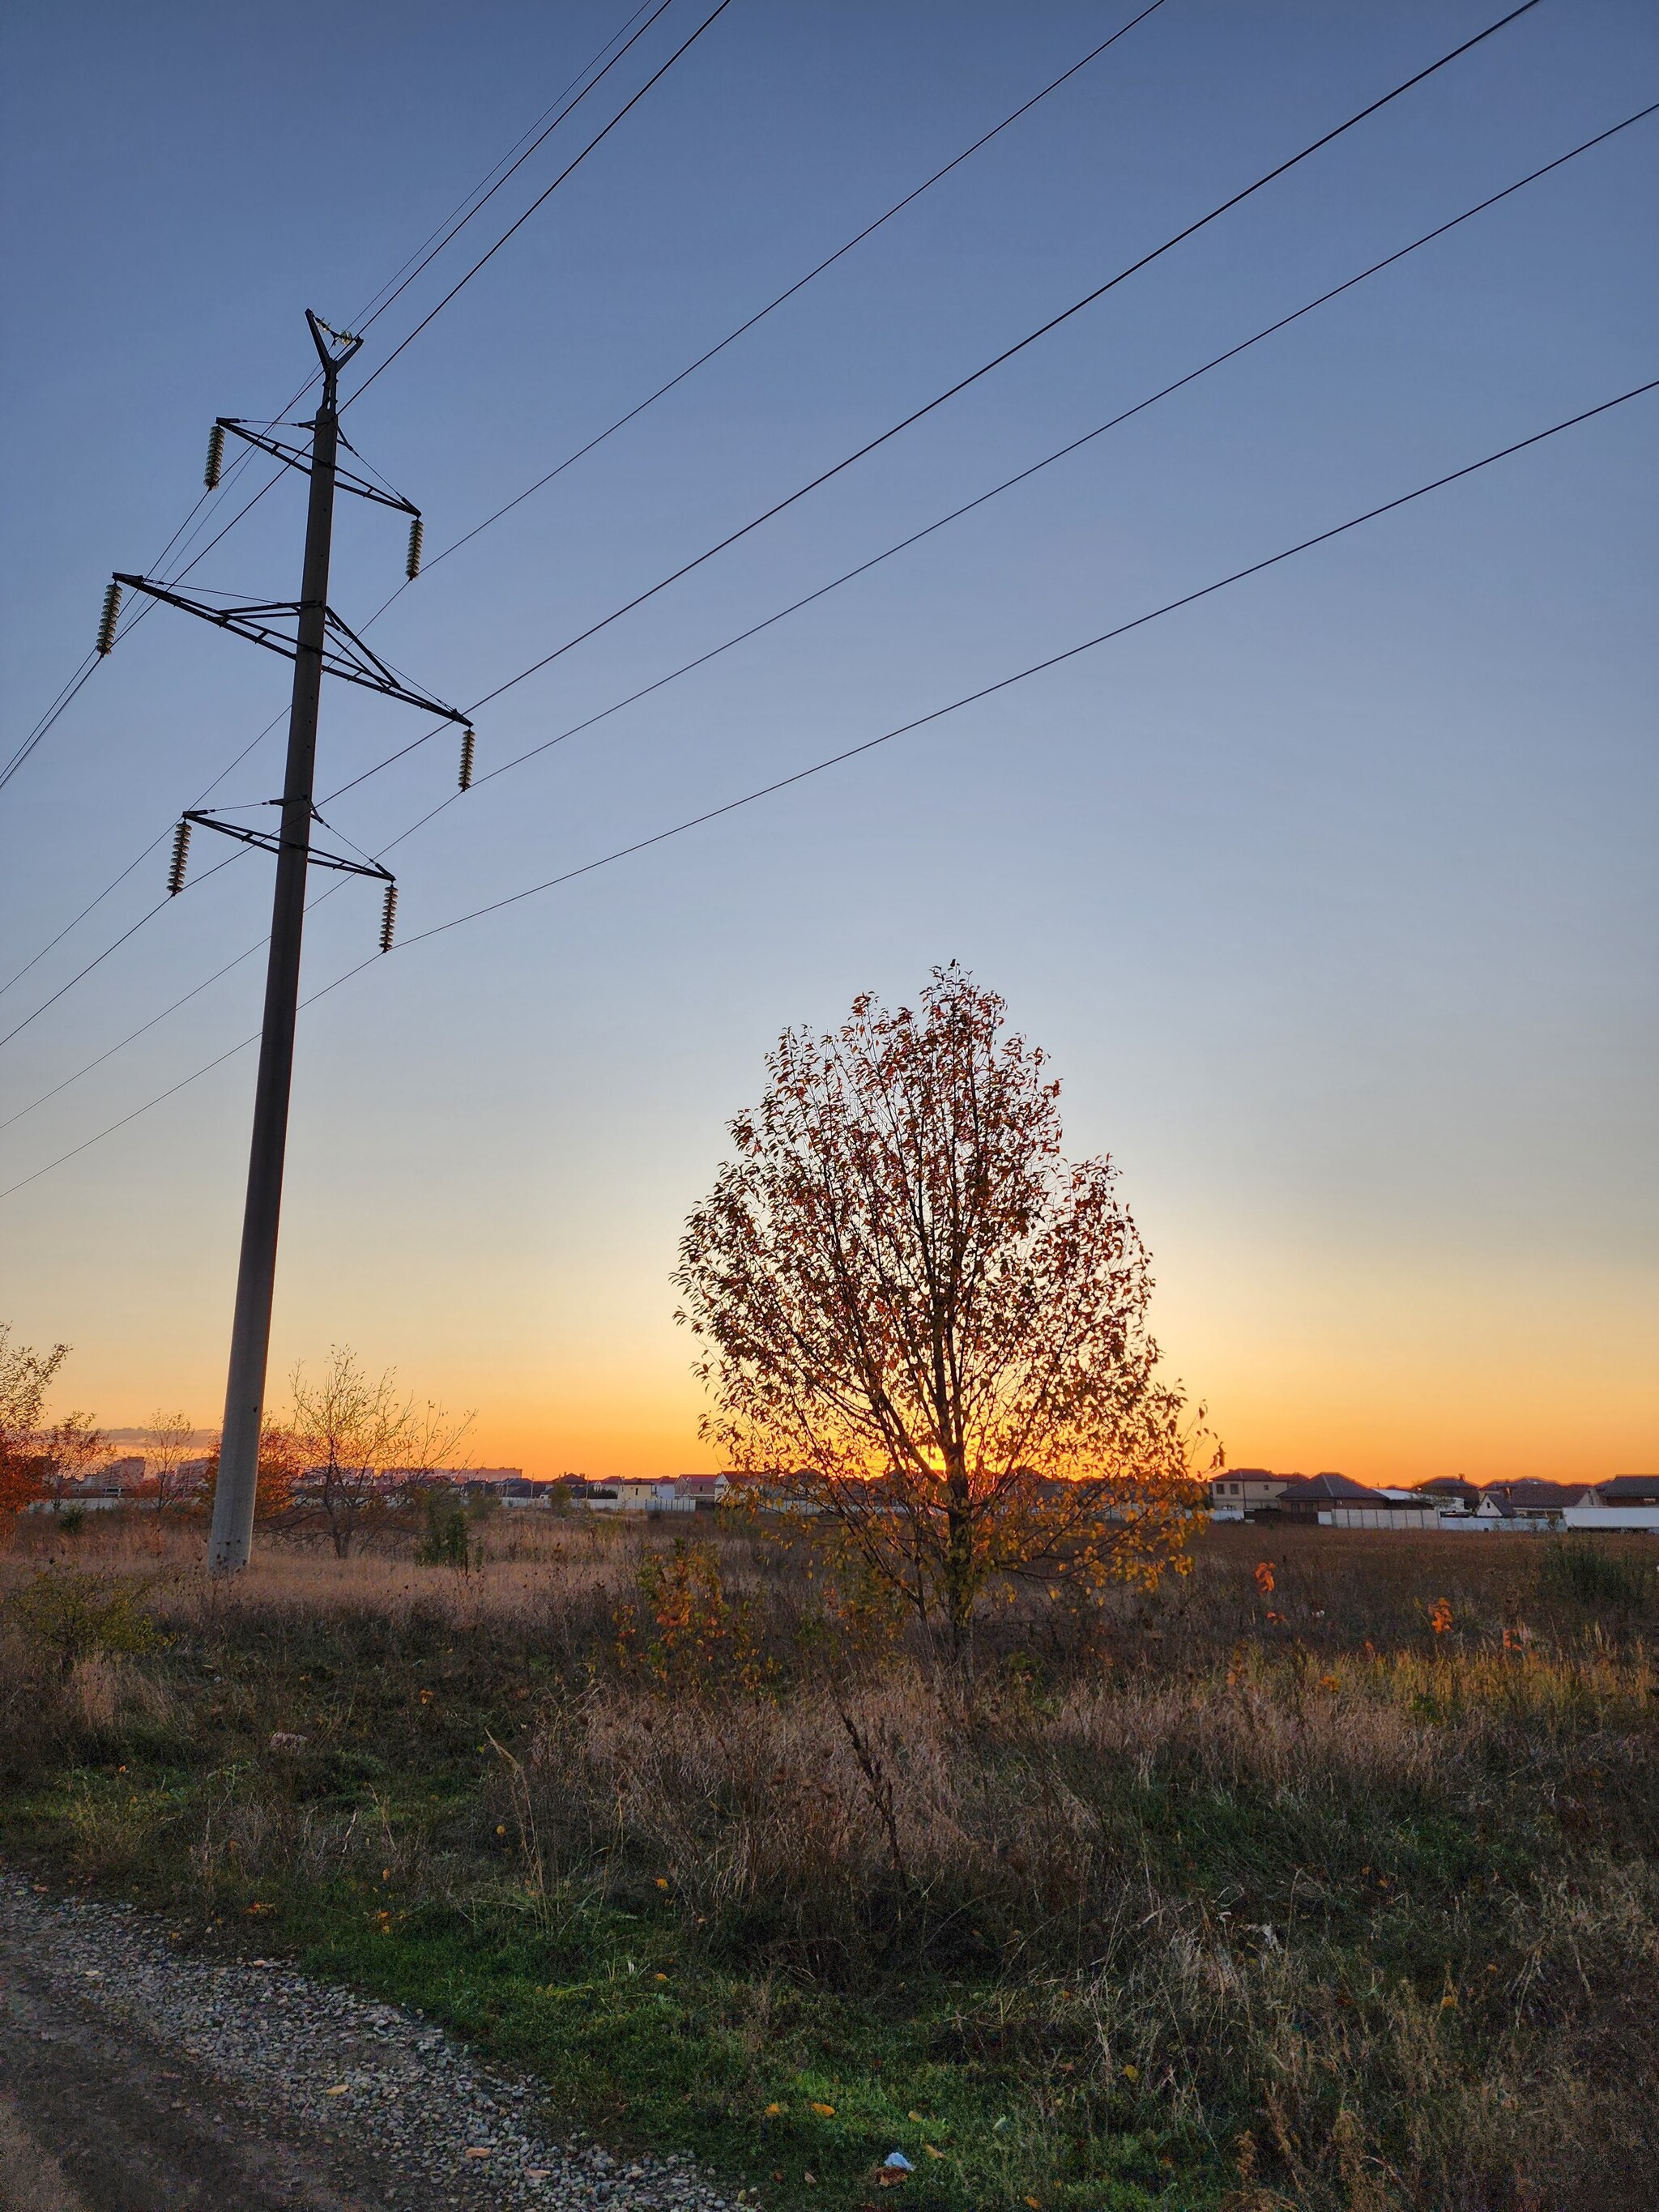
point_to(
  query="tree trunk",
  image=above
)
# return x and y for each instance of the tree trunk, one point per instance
(959, 1557)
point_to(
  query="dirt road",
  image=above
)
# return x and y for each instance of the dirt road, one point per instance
(133, 2079)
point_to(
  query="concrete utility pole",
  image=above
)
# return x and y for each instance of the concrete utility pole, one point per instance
(255, 1277)
(320, 645)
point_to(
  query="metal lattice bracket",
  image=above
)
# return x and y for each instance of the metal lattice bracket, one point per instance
(298, 457)
(345, 654)
(269, 840)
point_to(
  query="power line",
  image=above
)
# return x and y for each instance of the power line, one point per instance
(47, 718)
(870, 228)
(116, 882)
(529, 140)
(597, 139)
(132, 1036)
(393, 289)
(425, 259)
(1234, 200)
(886, 736)
(195, 991)
(788, 292)
(91, 660)
(70, 691)
(99, 958)
(1008, 353)
(1022, 475)
(1036, 667)
(863, 567)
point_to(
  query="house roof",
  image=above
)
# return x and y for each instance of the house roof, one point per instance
(1532, 1490)
(1629, 1490)
(1303, 1487)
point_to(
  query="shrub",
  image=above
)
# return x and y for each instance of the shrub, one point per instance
(74, 1615)
(683, 1628)
(445, 1539)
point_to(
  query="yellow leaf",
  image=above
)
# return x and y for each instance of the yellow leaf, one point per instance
(824, 2112)
(1132, 2073)
(662, 1978)
(931, 2152)
(915, 2116)
(772, 2112)
(662, 1881)
(1034, 2204)
(338, 2090)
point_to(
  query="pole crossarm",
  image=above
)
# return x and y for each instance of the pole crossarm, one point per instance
(344, 653)
(271, 842)
(297, 457)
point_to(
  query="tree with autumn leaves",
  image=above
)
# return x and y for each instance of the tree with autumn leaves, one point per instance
(31, 1454)
(925, 1328)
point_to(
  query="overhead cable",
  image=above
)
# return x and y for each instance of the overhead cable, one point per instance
(790, 290)
(1008, 483)
(904, 545)
(575, 163)
(870, 744)
(398, 284)
(1008, 353)
(731, 337)
(457, 219)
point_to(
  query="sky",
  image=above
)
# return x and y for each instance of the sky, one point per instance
(1331, 897)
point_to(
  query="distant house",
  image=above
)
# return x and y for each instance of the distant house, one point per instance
(1243, 1490)
(1450, 1492)
(94, 1495)
(652, 1494)
(1388, 1508)
(1629, 1490)
(1307, 1497)
(518, 1491)
(662, 1493)
(1624, 1501)
(468, 1478)
(1532, 1499)
(1494, 1508)
(602, 1496)
(1413, 1516)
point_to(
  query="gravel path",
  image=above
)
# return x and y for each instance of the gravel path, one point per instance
(136, 2078)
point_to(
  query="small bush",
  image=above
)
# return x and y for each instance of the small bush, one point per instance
(447, 1536)
(74, 1615)
(683, 1628)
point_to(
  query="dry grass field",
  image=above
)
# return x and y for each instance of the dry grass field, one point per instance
(1327, 1877)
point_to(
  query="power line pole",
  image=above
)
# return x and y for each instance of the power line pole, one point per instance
(233, 1495)
(320, 644)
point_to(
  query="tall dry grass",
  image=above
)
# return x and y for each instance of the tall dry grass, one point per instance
(1215, 1889)
(1369, 1904)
